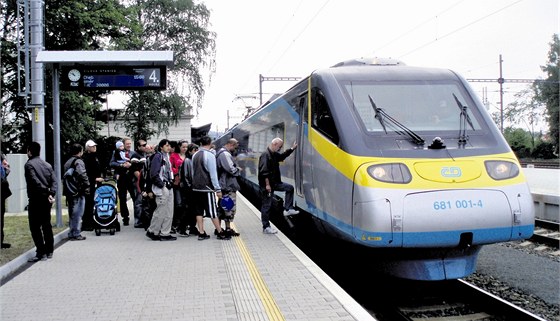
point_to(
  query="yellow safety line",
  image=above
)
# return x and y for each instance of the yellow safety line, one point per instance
(271, 308)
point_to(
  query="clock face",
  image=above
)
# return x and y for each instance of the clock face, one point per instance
(74, 75)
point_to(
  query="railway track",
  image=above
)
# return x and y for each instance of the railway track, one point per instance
(553, 165)
(454, 300)
(547, 233)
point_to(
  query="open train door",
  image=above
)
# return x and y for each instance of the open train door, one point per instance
(303, 146)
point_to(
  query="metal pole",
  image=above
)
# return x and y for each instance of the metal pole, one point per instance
(56, 141)
(36, 79)
(501, 82)
(260, 89)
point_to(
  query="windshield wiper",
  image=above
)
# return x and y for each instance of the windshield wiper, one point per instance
(378, 114)
(463, 119)
(381, 116)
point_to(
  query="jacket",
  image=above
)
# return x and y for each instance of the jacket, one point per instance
(269, 166)
(160, 170)
(227, 171)
(81, 174)
(205, 174)
(39, 176)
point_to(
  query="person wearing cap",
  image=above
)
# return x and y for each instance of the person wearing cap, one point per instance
(94, 173)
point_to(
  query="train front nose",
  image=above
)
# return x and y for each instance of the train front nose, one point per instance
(452, 218)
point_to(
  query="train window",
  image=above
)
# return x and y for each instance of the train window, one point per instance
(260, 140)
(321, 116)
(420, 106)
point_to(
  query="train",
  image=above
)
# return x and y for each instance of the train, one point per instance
(401, 160)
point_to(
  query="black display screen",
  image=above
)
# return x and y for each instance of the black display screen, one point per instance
(113, 78)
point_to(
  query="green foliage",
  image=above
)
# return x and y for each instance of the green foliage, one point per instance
(543, 150)
(177, 25)
(147, 107)
(519, 140)
(547, 92)
(69, 25)
(180, 26)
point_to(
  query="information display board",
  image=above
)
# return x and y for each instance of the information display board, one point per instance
(113, 78)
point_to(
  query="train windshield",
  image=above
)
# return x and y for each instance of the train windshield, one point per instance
(420, 106)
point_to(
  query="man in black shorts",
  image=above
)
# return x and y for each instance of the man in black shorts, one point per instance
(205, 189)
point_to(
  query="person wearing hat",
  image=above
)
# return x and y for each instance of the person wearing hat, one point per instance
(94, 173)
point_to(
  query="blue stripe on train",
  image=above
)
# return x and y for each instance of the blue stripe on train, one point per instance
(425, 239)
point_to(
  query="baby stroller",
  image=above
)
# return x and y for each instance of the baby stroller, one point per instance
(105, 212)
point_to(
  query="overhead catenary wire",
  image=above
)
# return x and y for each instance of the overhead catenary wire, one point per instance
(278, 37)
(418, 26)
(459, 29)
(298, 35)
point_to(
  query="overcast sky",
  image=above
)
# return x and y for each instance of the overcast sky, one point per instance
(294, 37)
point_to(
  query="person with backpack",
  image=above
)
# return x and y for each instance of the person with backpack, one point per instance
(162, 179)
(228, 171)
(76, 188)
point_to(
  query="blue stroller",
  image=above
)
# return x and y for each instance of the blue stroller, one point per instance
(105, 211)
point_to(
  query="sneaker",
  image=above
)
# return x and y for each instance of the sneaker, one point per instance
(223, 235)
(78, 238)
(167, 238)
(203, 236)
(37, 259)
(232, 232)
(270, 230)
(291, 211)
(216, 232)
(183, 234)
(152, 236)
(49, 255)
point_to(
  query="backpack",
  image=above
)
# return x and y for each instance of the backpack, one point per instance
(186, 175)
(71, 186)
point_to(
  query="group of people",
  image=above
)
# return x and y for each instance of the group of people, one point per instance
(171, 192)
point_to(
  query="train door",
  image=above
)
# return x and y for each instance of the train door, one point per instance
(302, 142)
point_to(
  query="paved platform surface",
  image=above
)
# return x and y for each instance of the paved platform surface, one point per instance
(129, 277)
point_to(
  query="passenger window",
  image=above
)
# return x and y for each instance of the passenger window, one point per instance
(321, 116)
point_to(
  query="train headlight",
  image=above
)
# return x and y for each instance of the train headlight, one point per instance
(499, 170)
(390, 173)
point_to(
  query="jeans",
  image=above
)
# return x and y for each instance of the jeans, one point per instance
(289, 197)
(266, 206)
(76, 206)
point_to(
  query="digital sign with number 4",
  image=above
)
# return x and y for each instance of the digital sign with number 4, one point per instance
(113, 78)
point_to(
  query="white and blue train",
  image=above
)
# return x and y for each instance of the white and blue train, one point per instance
(399, 158)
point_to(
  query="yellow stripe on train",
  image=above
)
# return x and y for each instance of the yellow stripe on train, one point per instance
(426, 173)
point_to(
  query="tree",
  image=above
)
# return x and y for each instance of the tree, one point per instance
(519, 141)
(69, 25)
(525, 110)
(180, 26)
(547, 91)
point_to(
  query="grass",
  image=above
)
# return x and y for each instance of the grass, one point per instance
(16, 232)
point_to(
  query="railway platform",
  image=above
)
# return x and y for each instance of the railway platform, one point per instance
(130, 277)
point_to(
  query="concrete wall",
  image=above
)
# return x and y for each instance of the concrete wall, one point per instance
(18, 201)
